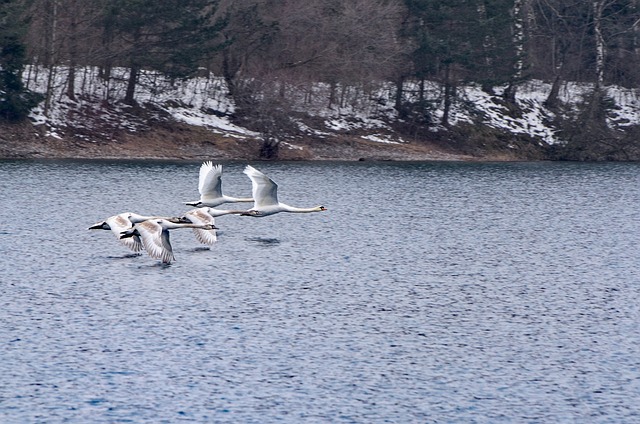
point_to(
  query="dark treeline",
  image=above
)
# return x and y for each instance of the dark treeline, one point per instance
(269, 51)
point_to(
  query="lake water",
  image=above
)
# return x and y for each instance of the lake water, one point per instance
(428, 292)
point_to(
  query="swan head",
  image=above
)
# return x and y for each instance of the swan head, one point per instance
(100, 226)
(179, 220)
(321, 208)
(129, 233)
(251, 213)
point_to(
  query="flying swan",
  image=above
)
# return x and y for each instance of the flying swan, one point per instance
(265, 195)
(210, 188)
(154, 235)
(207, 215)
(125, 221)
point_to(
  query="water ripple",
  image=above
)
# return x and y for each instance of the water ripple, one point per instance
(427, 293)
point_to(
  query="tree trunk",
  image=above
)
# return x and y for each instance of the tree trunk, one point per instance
(552, 98)
(449, 92)
(332, 94)
(73, 52)
(398, 99)
(598, 6)
(129, 97)
(488, 43)
(227, 73)
(518, 38)
(71, 84)
(518, 43)
(50, 52)
(509, 94)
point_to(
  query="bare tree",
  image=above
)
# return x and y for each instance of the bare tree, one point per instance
(339, 42)
(348, 45)
(519, 11)
(600, 46)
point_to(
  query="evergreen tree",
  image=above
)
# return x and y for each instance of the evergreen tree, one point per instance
(495, 61)
(172, 36)
(15, 100)
(617, 26)
(462, 41)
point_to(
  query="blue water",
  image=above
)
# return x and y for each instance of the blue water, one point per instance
(428, 292)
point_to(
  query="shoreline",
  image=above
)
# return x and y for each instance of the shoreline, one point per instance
(184, 142)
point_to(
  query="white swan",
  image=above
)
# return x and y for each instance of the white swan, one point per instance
(125, 221)
(154, 235)
(210, 188)
(207, 215)
(265, 195)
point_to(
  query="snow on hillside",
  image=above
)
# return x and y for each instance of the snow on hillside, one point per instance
(204, 101)
(198, 101)
(475, 105)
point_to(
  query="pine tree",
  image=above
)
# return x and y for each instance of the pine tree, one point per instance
(172, 36)
(460, 41)
(15, 100)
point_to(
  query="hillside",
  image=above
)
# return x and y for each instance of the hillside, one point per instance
(185, 142)
(196, 119)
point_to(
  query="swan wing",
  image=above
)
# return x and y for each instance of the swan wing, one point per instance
(133, 243)
(205, 236)
(201, 216)
(264, 190)
(210, 183)
(135, 218)
(120, 223)
(155, 240)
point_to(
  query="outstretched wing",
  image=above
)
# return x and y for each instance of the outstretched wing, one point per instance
(264, 190)
(201, 216)
(119, 224)
(156, 240)
(210, 183)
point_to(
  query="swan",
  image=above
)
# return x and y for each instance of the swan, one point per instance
(265, 195)
(125, 221)
(210, 188)
(207, 215)
(154, 234)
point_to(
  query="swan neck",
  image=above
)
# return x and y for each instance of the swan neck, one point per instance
(237, 199)
(293, 209)
(173, 226)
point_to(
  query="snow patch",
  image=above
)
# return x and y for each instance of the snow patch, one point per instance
(383, 138)
(204, 101)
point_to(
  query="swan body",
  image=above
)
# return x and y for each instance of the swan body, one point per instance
(154, 235)
(203, 216)
(210, 188)
(265, 197)
(123, 222)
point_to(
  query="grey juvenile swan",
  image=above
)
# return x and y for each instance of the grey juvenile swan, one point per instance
(207, 215)
(125, 221)
(154, 234)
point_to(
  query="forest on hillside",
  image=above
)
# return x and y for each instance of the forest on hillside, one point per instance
(272, 52)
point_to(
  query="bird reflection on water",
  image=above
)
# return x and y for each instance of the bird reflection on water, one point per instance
(264, 241)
